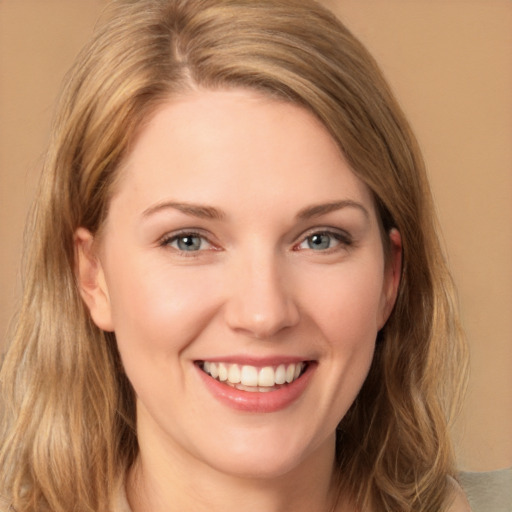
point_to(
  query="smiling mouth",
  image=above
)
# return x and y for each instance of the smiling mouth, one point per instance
(252, 378)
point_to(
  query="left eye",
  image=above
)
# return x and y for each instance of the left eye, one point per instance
(187, 242)
(320, 241)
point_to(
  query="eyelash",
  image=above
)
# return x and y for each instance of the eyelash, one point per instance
(343, 239)
(167, 240)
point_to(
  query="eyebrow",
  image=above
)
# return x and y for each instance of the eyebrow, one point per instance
(200, 211)
(209, 212)
(325, 208)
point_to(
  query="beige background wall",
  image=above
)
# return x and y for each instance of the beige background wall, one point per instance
(450, 63)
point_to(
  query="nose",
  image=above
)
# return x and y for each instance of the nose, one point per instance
(261, 303)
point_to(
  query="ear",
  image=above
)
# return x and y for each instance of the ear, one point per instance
(392, 275)
(91, 280)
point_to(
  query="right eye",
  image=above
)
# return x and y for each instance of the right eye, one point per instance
(325, 241)
(187, 242)
(320, 241)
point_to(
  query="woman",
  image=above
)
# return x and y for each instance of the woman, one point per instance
(235, 294)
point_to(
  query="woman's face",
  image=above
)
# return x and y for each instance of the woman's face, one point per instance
(240, 245)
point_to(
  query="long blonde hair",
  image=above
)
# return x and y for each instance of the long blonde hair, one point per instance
(68, 421)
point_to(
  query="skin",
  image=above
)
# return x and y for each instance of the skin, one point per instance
(272, 277)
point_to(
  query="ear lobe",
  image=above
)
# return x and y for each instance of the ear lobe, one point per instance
(393, 273)
(91, 280)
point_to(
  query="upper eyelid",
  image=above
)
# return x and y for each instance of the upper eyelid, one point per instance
(327, 230)
(174, 235)
(186, 231)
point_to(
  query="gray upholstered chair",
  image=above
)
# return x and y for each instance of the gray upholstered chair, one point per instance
(488, 491)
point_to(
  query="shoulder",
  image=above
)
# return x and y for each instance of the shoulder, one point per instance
(458, 501)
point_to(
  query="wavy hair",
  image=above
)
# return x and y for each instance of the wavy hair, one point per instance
(67, 428)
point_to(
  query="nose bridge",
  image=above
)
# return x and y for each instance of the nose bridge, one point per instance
(260, 300)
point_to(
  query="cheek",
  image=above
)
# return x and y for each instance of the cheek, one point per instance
(347, 307)
(344, 313)
(157, 309)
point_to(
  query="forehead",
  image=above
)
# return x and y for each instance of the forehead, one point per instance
(232, 146)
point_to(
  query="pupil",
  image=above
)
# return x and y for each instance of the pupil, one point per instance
(319, 241)
(189, 243)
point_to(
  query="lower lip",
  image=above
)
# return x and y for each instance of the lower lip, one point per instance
(258, 402)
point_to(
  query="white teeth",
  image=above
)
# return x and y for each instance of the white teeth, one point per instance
(249, 376)
(252, 378)
(280, 374)
(252, 389)
(233, 374)
(266, 377)
(214, 370)
(223, 372)
(290, 372)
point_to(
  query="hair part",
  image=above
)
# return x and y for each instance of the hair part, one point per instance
(68, 427)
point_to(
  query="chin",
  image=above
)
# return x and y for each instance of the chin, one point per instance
(271, 458)
(270, 467)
